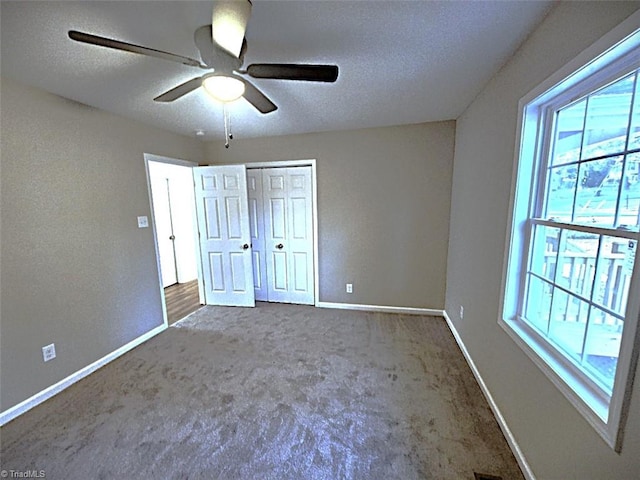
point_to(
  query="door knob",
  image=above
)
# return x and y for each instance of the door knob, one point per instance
(245, 246)
(279, 246)
(172, 237)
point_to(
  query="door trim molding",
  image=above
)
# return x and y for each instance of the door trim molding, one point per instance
(382, 308)
(311, 162)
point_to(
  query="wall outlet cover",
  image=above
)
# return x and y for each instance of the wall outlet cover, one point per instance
(49, 352)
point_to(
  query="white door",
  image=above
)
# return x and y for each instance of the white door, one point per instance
(174, 221)
(256, 216)
(225, 246)
(288, 227)
(164, 227)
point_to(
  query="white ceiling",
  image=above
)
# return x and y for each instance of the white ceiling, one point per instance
(401, 62)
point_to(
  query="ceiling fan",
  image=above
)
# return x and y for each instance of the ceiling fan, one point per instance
(222, 46)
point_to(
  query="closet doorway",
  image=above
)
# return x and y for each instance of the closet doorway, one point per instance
(257, 228)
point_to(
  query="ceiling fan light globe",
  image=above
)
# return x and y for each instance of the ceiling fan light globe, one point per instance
(223, 89)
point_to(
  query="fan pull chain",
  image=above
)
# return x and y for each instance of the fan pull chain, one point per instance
(227, 126)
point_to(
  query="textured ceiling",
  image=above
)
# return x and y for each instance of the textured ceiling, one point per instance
(400, 62)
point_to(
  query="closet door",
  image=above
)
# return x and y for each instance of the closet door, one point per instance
(288, 224)
(256, 216)
(223, 225)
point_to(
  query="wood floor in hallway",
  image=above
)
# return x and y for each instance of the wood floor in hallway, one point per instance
(181, 299)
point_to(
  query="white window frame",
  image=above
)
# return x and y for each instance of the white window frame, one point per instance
(611, 57)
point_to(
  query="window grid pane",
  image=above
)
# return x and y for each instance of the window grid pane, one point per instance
(613, 278)
(607, 119)
(577, 261)
(597, 195)
(568, 138)
(634, 131)
(544, 258)
(561, 188)
(568, 323)
(588, 181)
(602, 347)
(538, 303)
(629, 201)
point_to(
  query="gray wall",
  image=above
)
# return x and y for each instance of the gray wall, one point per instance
(76, 270)
(383, 207)
(556, 440)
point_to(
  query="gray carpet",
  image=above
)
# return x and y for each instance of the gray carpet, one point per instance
(275, 392)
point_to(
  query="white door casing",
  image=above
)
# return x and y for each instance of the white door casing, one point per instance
(224, 235)
(288, 227)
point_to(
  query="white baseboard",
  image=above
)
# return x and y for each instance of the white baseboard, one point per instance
(513, 444)
(49, 392)
(382, 308)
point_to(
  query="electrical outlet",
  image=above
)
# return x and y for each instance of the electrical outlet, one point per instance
(49, 352)
(461, 312)
(349, 287)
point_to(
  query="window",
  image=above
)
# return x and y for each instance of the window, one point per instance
(570, 295)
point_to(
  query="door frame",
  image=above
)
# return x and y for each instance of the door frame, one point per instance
(314, 185)
(150, 157)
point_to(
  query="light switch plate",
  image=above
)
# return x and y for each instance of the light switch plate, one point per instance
(143, 222)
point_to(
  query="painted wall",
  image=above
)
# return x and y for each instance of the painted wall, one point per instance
(76, 270)
(557, 442)
(383, 202)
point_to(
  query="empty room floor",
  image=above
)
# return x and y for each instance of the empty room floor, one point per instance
(272, 392)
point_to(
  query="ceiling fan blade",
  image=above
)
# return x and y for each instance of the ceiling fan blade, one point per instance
(289, 71)
(256, 98)
(129, 47)
(229, 24)
(180, 90)
(202, 39)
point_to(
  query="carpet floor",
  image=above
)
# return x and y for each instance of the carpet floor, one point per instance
(274, 392)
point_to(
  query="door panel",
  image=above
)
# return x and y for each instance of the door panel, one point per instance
(256, 215)
(300, 275)
(223, 222)
(237, 272)
(234, 219)
(279, 284)
(299, 227)
(216, 269)
(288, 224)
(277, 218)
(212, 216)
